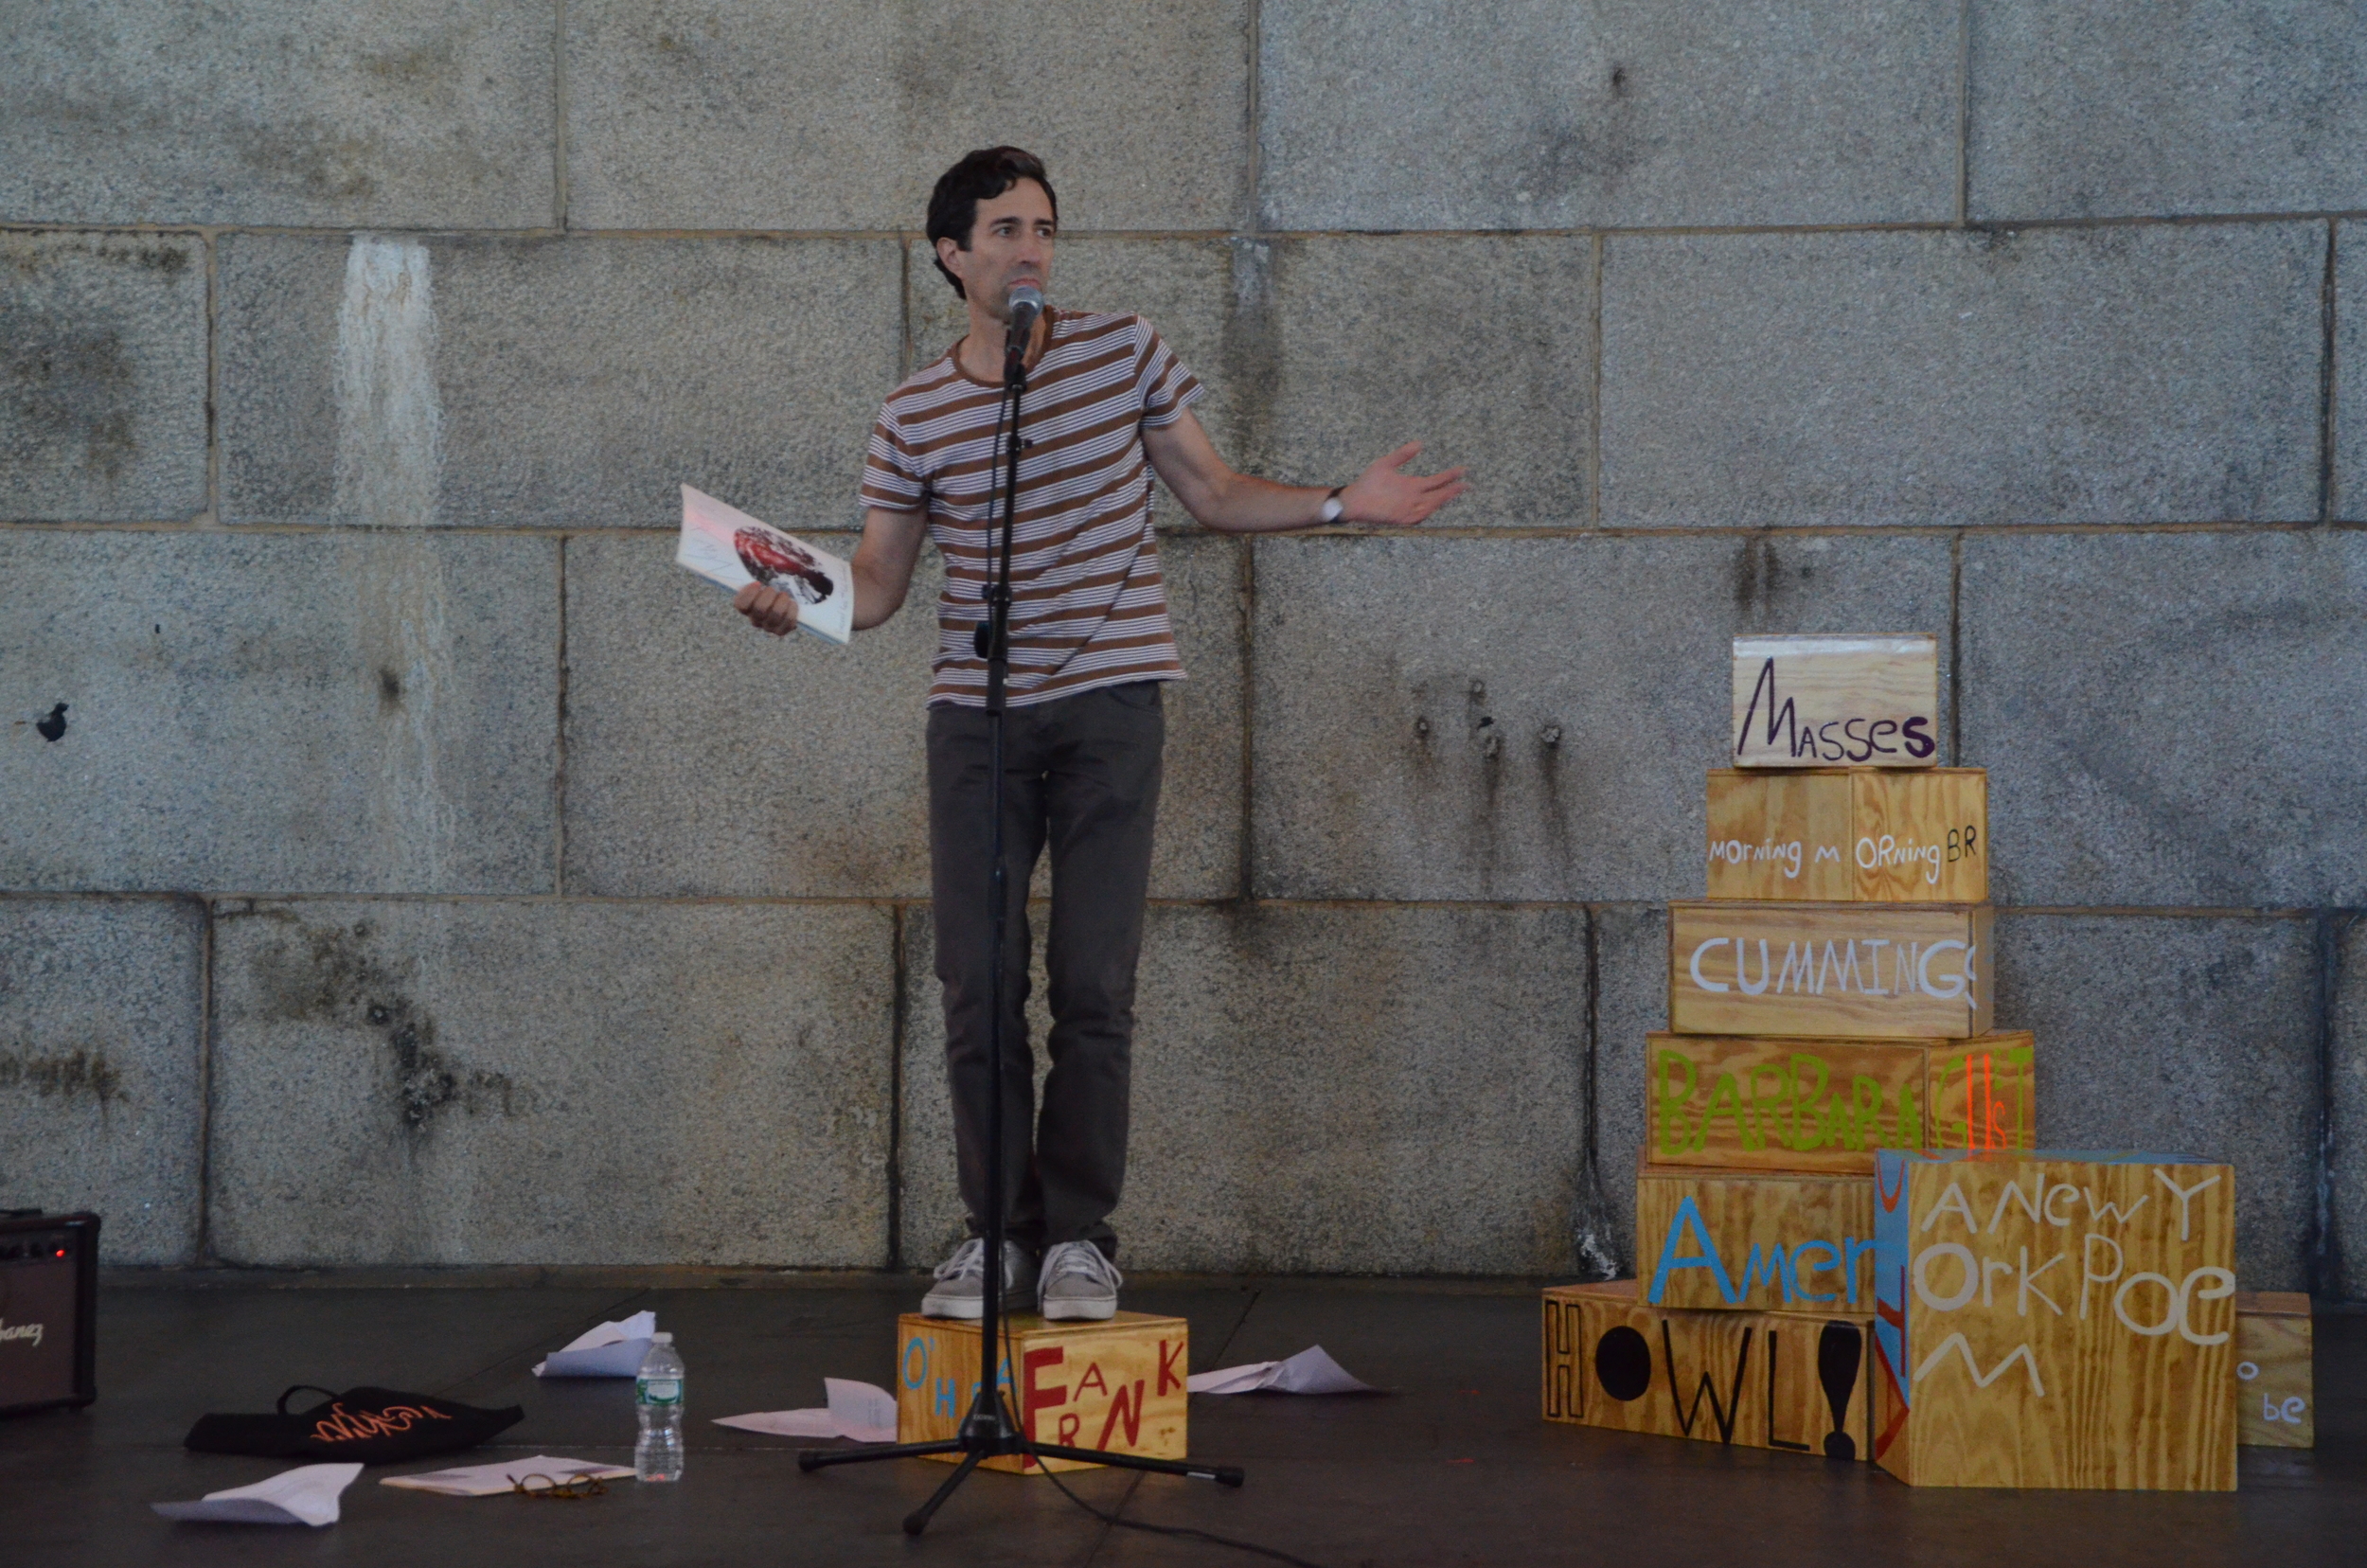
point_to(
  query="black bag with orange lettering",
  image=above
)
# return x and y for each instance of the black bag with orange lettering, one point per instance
(373, 1426)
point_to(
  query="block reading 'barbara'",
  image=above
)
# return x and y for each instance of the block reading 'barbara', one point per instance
(2276, 1396)
(1117, 1385)
(1856, 971)
(1826, 1105)
(1761, 1239)
(1815, 702)
(1835, 835)
(2048, 1319)
(1751, 1380)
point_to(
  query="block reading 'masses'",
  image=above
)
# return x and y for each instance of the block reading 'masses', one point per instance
(1836, 835)
(1849, 971)
(1746, 1103)
(1815, 702)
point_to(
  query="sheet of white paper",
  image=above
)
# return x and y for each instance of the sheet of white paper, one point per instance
(612, 1350)
(865, 1411)
(725, 545)
(305, 1495)
(1312, 1371)
(487, 1480)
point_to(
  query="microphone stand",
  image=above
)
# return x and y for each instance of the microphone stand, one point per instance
(989, 1431)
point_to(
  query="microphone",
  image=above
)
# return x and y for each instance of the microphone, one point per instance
(1026, 305)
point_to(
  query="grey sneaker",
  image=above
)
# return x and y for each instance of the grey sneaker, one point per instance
(960, 1290)
(1078, 1282)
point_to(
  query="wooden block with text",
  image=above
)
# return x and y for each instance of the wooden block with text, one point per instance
(2056, 1319)
(1844, 971)
(1753, 1103)
(1757, 1239)
(1836, 835)
(1749, 1380)
(1815, 702)
(1118, 1386)
(2276, 1396)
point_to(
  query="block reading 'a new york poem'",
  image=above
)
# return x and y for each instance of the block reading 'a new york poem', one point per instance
(1117, 1385)
(1834, 835)
(1856, 971)
(1819, 702)
(2048, 1319)
(1751, 1380)
(1731, 1103)
(1769, 1241)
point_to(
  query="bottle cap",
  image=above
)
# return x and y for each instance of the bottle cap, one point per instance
(661, 1339)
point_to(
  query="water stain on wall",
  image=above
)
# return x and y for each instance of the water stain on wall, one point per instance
(64, 1075)
(68, 392)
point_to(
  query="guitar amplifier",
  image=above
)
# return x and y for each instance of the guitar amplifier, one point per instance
(48, 1310)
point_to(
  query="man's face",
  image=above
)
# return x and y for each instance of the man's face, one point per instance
(1010, 245)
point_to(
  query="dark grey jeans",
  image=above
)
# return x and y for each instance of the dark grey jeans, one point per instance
(1081, 774)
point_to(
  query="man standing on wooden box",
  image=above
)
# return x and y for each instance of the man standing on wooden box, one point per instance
(1106, 403)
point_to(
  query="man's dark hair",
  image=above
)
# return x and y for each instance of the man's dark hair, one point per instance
(981, 176)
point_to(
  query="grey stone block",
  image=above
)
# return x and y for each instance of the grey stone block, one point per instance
(2349, 500)
(2343, 1271)
(1526, 719)
(101, 1031)
(810, 116)
(1327, 1091)
(2182, 1036)
(2165, 717)
(2219, 106)
(204, 711)
(560, 383)
(705, 758)
(102, 377)
(421, 113)
(1516, 114)
(1632, 1001)
(561, 1083)
(2117, 375)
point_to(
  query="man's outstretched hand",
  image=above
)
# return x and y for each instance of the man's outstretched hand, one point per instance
(1385, 493)
(767, 609)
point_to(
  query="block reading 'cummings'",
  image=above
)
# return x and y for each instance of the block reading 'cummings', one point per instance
(1117, 1385)
(1753, 1380)
(1817, 702)
(2049, 1319)
(1748, 1103)
(1856, 971)
(1834, 835)
(1763, 1240)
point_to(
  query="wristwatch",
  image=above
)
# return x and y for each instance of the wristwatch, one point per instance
(1331, 507)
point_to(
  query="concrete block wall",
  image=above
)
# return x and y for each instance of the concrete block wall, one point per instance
(402, 862)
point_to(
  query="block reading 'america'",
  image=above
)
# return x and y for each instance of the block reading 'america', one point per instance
(2048, 1319)
(1838, 835)
(1761, 1239)
(1856, 971)
(1816, 701)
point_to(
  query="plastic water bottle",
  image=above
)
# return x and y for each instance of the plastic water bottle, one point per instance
(657, 1397)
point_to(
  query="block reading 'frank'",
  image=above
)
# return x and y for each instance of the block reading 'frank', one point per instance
(1826, 1105)
(1118, 1386)
(2048, 1319)
(1761, 1239)
(1855, 971)
(1835, 835)
(1816, 701)
(1751, 1380)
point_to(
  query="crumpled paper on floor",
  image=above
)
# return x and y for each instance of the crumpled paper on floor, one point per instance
(863, 1410)
(1309, 1372)
(612, 1350)
(488, 1480)
(305, 1495)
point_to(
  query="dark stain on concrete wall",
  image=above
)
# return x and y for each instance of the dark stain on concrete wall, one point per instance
(64, 1075)
(66, 390)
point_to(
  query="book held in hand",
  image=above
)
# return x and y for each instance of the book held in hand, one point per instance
(727, 545)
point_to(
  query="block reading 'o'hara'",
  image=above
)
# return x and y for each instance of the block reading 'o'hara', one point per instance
(1748, 1103)
(1766, 1241)
(1836, 835)
(2276, 1396)
(1818, 702)
(1853, 972)
(1117, 1385)
(2049, 1319)
(1749, 1379)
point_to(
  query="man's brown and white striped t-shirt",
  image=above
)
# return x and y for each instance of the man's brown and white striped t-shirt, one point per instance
(1088, 606)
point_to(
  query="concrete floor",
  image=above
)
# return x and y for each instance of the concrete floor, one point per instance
(1454, 1467)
